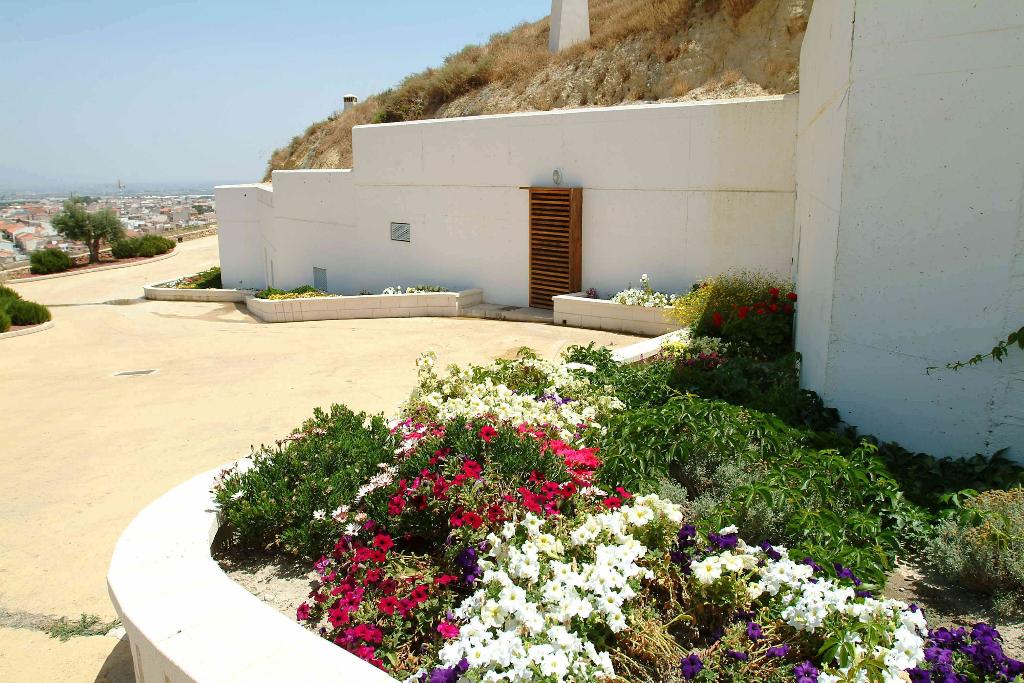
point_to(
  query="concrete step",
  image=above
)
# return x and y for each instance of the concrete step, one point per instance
(509, 313)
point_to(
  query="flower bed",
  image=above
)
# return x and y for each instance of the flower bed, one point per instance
(483, 537)
(579, 310)
(322, 307)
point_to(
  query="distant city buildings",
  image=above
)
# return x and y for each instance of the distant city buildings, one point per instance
(25, 226)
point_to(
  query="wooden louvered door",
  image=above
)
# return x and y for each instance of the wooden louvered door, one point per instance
(556, 246)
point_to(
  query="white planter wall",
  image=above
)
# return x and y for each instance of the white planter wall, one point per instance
(576, 310)
(443, 304)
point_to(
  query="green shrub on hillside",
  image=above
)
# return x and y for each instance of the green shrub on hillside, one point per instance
(7, 293)
(27, 312)
(49, 261)
(5, 321)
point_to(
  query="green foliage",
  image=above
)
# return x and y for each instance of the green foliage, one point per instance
(75, 223)
(749, 468)
(723, 293)
(146, 246)
(207, 279)
(26, 312)
(273, 504)
(87, 625)
(690, 439)
(768, 386)
(998, 352)
(48, 261)
(637, 385)
(980, 545)
(937, 483)
(5, 321)
(303, 292)
(7, 293)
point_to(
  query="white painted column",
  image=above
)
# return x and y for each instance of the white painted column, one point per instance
(570, 23)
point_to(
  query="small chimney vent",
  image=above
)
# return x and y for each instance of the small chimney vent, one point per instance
(350, 101)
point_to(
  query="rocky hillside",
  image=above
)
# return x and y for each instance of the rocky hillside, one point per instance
(640, 51)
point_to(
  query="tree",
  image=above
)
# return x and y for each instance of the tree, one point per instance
(75, 223)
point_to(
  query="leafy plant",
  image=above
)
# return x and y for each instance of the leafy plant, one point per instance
(207, 279)
(303, 292)
(87, 625)
(47, 261)
(980, 545)
(5, 321)
(145, 246)
(998, 352)
(723, 294)
(768, 386)
(26, 312)
(644, 296)
(275, 504)
(8, 293)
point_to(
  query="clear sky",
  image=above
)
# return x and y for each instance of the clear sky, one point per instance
(152, 91)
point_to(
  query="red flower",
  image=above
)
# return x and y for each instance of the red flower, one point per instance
(788, 308)
(791, 296)
(742, 312)
(716, 319)
(396, 505)
(774, 308)
(472, 469)
(445, 579)
(759, 310)
(612, 503)
(488, 433)
(472, 519)
(774, 292)
(373, 576)
(383, 542)
(419, 594)
(302, 613)
(623, 493)
(388, 605)
(495, 514)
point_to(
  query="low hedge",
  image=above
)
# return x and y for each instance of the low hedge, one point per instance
(5, 322)
(7, 293)
(27, 312)
(145, 246)
(49, 261)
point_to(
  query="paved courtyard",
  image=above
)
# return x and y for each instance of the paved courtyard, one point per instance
(84, 450)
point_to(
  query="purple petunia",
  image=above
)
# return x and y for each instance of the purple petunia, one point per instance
(690, 666)
(806, 672)
(778, 651)
(754, 631)
(737, 655)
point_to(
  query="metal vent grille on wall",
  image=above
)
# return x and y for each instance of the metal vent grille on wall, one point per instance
(320, 278)
(556, 252)
(401, 232)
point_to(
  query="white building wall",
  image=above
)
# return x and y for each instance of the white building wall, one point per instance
(678, 191)
(240, 236)
(911, 256)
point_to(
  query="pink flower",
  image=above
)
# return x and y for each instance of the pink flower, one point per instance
(302, 613)
(448, 629)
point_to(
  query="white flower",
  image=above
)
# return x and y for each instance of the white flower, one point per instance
(320, 515)
(706, 571)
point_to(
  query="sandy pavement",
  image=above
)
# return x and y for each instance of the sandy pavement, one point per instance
(84, 451)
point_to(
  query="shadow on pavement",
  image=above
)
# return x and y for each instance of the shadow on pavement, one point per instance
(118, 667)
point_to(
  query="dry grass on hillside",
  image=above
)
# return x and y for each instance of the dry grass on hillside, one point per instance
(640, 50)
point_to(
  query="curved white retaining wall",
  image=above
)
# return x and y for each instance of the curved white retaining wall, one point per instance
(156, 292)
(577, 310)
(188, 622)
(28, 330)
(441, 304)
